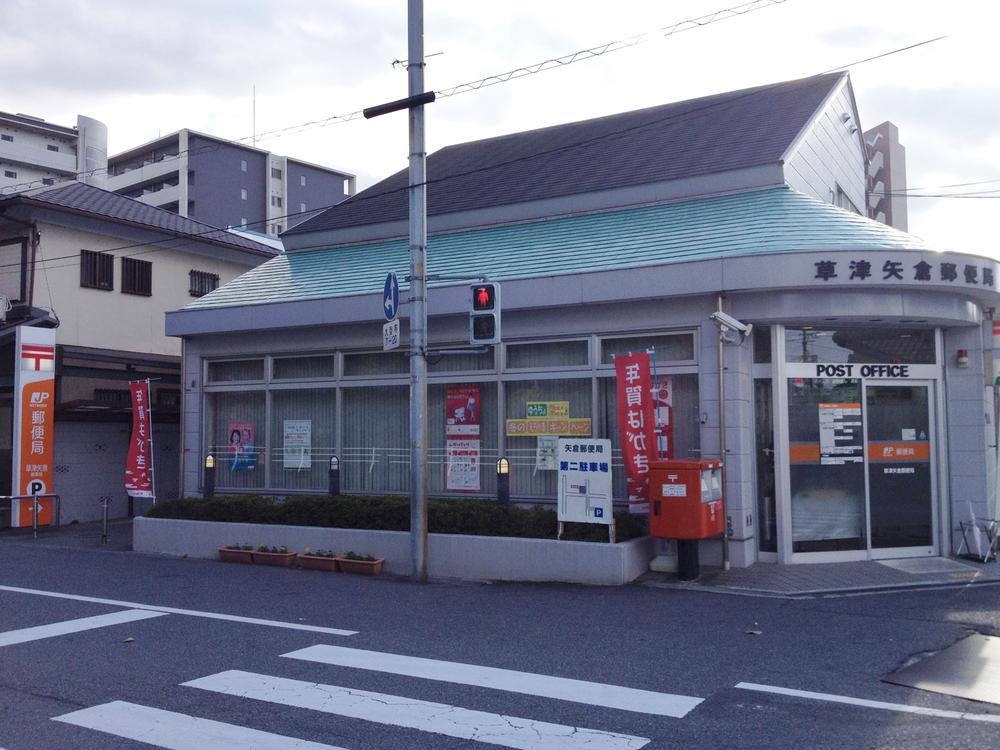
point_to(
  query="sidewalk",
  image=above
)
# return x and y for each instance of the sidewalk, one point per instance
(762, 579)
(77, 535)
(833, 579)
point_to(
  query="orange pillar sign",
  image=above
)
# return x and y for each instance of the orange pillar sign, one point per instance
(34, 424)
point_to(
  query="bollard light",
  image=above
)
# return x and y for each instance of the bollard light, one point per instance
(334, 476)
(503, 481)
(208, 477)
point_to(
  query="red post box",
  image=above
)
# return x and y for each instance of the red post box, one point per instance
(685, 499)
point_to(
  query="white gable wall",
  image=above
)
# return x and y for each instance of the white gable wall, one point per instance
(828, 155)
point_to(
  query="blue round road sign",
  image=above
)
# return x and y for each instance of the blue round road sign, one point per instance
(390, 297)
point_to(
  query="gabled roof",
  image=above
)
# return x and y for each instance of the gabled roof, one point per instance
(712, 134)
(768, 221)
(87, 200)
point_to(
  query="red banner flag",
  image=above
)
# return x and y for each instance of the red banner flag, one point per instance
(139, 466)
(636, 426)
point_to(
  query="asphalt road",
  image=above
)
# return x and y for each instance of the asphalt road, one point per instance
(688, 644)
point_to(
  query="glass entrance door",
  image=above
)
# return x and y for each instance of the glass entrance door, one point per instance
(900, 471)
(861, 471)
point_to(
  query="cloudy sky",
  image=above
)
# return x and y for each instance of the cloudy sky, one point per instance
(147, 69)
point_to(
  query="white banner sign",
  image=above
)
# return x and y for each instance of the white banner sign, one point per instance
(585, 480)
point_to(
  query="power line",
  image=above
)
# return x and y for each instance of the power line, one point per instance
(706, 108)
(604, 49)
(676, 28)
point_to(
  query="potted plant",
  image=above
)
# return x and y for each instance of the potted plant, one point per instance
(319, 559)
(237, 553)
(277, 556)
(351, 562)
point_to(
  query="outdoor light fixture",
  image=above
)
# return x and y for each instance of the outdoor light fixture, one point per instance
(208, 476)
(334, 476)
(503, 481)
(962, 358)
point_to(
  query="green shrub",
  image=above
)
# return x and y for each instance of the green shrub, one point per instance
(446, 516)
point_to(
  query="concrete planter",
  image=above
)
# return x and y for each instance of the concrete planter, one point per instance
(449, 555)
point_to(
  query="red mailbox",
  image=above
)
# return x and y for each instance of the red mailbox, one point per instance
(685, 499)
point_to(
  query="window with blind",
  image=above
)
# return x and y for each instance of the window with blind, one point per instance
(97, 270)
(203, 282)
(137, 277)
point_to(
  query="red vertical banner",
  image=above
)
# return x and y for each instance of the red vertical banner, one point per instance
(139, 465)
(636, 426)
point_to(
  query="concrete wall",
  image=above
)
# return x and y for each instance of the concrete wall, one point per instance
(90, 465)
(476, 558)
(322, 189)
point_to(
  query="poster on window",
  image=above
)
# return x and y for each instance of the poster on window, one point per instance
(241, 446)
(139, 461)
(297, 444)
(841, 439)
(636, 426)
(462, 438)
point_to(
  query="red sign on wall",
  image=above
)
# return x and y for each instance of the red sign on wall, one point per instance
(636, 425)
(139, 466)
(462, 421)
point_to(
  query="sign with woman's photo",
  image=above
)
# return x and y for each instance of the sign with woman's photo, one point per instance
(241, 447)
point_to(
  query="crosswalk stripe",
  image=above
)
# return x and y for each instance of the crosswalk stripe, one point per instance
(543, 686)
(186, 612)
(864, 702)
(66, 627)
(439, 718)
(176, 731)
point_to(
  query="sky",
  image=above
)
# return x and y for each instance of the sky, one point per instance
(239, 67)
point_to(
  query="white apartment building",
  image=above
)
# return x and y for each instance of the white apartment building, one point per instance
(35, 153)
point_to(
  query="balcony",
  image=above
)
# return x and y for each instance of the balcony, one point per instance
(150, 170)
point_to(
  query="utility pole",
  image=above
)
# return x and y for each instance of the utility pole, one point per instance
(414, 104)
(418, 292)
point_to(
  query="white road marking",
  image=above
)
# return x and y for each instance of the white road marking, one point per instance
(176, 731)
(55, 629)
(186, 612)
(902, 708)
(439, 718)
(544, 686)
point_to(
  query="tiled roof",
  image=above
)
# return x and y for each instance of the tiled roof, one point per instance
(768, 221)
(703, 136)
(87, 199)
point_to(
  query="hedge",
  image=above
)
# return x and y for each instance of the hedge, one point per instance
(481, 517)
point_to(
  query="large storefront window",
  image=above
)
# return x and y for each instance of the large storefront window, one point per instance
(860, 345)
(481, 410)
(236, 422)
(522, 449)
(376, 424)
(680, 436)
(303, 437)
(675, 347)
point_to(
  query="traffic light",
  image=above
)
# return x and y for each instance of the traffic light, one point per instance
(484, 317)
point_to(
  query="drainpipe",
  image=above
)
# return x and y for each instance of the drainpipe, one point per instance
(722, 443)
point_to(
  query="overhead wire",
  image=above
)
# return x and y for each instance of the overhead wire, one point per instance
(679, 26)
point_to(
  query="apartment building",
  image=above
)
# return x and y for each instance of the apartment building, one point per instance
(226, 184)
(35, 153)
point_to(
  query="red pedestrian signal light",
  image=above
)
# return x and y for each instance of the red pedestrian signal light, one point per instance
(484, 297)
(484, 316)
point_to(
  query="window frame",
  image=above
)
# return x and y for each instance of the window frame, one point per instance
(137, 277)
(101, 275)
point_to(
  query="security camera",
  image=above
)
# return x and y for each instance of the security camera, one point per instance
(731, 323)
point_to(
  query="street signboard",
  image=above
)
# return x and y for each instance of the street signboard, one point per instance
(584, 481)
(390, 299)
(390, 335)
